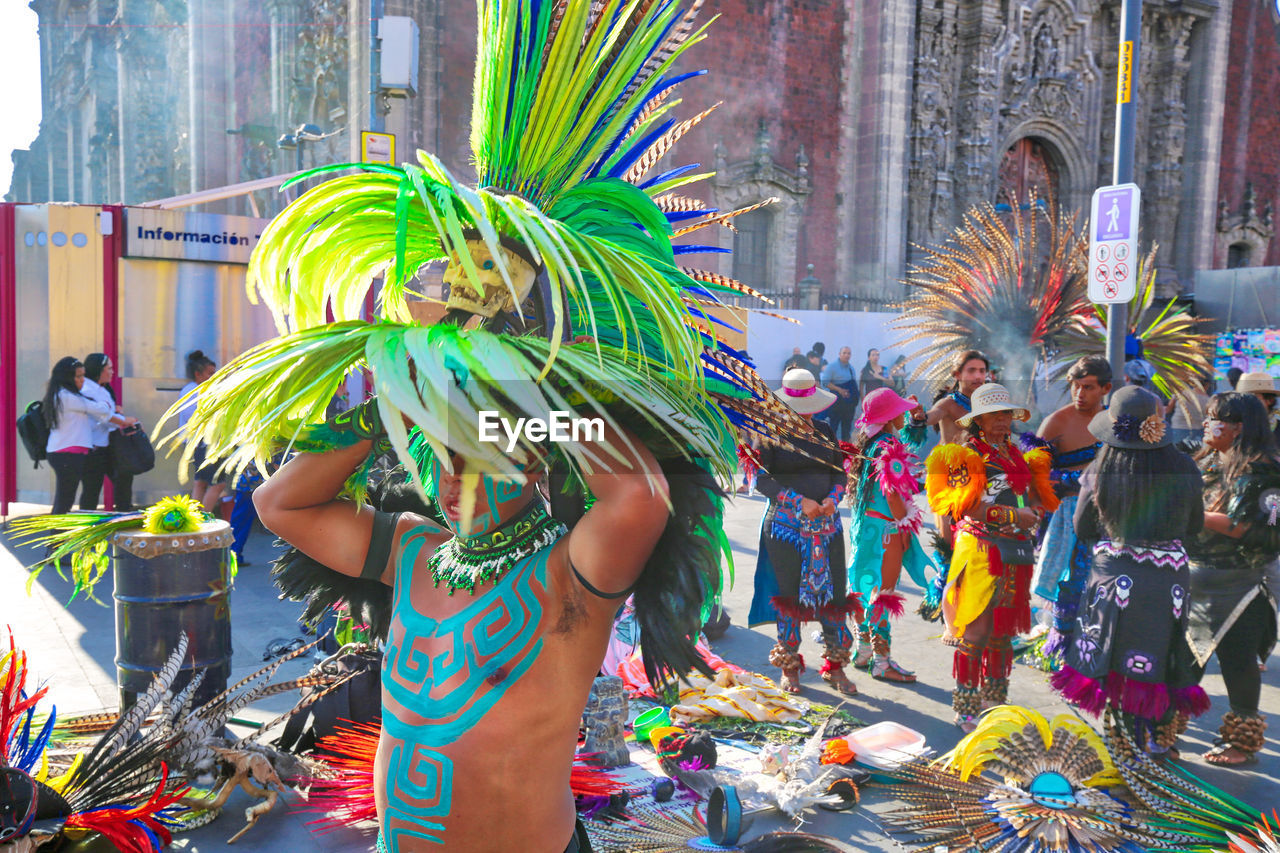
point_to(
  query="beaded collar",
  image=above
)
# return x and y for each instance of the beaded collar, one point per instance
(962, 400)
(477, 560)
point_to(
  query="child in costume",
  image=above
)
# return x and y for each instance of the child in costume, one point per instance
(1138, 501)
(565, 296)
(996, 498)
(803, 540)
(886, 523)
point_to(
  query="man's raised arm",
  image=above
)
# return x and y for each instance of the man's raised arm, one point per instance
(300, 504)
(611, 544)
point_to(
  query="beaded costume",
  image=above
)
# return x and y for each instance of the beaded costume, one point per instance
(889, 467)
(1063, 559)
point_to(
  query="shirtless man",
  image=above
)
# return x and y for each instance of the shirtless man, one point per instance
(970, 372)
(1062, 566)
(482, 688)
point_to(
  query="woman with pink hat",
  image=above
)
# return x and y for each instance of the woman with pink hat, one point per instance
(803, 542)
(886, 520)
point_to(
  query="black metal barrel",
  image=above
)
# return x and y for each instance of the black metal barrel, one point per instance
(167, 584)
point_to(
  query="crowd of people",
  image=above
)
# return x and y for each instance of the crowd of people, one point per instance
(1152, 547)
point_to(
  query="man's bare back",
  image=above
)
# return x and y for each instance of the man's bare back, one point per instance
(482, 697)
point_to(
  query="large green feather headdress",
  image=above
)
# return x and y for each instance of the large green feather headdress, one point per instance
(567, 234)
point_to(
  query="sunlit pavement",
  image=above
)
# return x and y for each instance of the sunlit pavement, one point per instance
(72, 647)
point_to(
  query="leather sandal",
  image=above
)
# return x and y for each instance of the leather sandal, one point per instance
(840, 682)
(891, 671)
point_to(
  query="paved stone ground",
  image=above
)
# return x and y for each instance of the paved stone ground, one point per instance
(73, 648)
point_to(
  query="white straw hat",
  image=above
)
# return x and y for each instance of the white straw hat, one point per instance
(1256, 383)
(800, 391)
(992, 397)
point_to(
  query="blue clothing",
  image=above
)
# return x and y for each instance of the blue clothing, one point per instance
(839, 374)
(867, 532)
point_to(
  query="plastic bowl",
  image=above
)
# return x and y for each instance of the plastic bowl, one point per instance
(885, 744)
(648, 721)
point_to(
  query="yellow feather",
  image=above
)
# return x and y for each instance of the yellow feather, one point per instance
(955, 477)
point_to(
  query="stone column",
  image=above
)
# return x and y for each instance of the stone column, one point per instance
(876, 123)
(210, 94)
(145, 98)
(1205, 97)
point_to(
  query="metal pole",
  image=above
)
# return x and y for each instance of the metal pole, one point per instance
(376, 121)
(1126, 126)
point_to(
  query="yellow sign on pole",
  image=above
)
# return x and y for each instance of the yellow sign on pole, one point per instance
(377, 147)
(1124, 79)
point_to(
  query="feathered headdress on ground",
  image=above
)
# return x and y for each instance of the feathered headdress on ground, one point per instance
(1007, 284)
(1022, 782)
(1179, 355)
(566, 289)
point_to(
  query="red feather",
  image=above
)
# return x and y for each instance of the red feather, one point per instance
(12, 705)
(133, 829)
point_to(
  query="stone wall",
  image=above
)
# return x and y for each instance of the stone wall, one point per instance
(1249, 178)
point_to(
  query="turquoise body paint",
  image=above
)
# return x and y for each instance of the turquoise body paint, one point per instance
(449, 687)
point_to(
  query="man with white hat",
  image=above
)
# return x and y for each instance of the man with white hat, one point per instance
(1262, 386)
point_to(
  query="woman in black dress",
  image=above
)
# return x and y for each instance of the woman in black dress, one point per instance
(1139, 502)
(804, 541)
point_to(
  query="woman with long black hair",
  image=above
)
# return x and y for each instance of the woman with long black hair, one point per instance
(98, 373)
(1140, 502)
(71, 418)
(1233, 610)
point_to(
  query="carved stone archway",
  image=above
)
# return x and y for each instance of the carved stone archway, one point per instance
(1065, 154)
(1248, 230)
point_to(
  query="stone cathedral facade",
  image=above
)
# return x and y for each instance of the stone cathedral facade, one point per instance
(875, 123)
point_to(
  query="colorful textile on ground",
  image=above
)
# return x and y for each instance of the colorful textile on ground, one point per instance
(743, 695)
(812, 538)
(1130, 649)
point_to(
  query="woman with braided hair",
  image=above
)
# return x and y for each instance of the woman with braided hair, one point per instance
(1233, 610)
(995, 497)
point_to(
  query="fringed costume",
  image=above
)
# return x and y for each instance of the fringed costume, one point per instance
(992, 563)
(1063, 558)
(807, 555)
(1232, 605)
(1129, 650)
(567, 294)
(1139, 500)
(889, 467)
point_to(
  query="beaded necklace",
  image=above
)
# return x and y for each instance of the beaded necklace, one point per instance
(477, 560)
